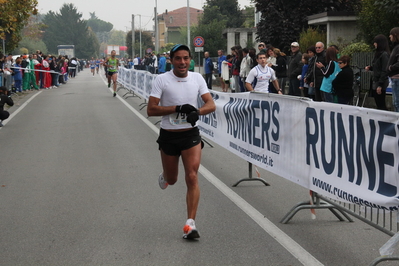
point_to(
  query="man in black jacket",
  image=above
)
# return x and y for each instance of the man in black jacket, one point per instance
(4, 99)
(314, 77)
(295, 69)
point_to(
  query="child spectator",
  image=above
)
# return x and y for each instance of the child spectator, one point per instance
(302, 85)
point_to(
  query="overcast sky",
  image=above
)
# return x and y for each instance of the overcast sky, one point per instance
(119, 12)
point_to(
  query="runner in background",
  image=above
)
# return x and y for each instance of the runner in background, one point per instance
(112, 64)
(98, 62)
(92, 65)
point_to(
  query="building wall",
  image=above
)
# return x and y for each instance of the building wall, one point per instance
(174, 37)
(163, 37)
(239, 36)
(345, 30)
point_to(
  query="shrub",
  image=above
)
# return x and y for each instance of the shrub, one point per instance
(357, 47)
(310, 36)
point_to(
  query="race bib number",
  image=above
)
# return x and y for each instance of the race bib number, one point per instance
(178, 118)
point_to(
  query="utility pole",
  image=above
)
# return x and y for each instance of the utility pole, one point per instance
(141, 49)
(133, 54)
(156, 27)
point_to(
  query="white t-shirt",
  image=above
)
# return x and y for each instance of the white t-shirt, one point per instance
(263, 76)
(135, 61)
(173, 90)
(155, 61)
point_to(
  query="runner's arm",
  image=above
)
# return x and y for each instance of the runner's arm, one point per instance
(154, 109)
(249, 86)
(209, 105)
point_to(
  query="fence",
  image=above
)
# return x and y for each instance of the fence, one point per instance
(362, 60)
(336, 152)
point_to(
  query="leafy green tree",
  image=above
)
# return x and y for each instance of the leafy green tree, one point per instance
(68, 27)
(226, 9)
(146, 42)
(249, 17)
(98, 25)
(375, 19)
(282, 21)
(218, 15)
(212, 34)
(30, 45)
(390, 6)
(310, 36)
(117, 37)
(14, 16)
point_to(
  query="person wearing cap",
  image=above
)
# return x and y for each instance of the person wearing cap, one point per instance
(174, 96)
(5, 98)
(261, 46)
(294, 70)
(162, 63)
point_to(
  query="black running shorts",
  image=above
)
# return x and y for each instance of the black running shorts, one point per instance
(111, 73)
(172, 143)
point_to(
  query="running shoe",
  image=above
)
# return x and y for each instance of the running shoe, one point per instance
(109, 84)
(162, 183)
(1, 124)
(114, 94)
(190, 231)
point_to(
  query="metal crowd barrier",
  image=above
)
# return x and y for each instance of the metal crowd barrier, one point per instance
(383, 220)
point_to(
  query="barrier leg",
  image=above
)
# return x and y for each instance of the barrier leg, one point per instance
(383, 258)
(318, 205)
(119, 87)
(144, 104)
(207, 142)
(250, 178)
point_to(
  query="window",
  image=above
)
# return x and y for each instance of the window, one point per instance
(249, 37)
(237, 38)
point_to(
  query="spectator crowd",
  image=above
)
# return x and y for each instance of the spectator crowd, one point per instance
(37, 71)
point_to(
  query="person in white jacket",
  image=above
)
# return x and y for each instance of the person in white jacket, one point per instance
(246, 64)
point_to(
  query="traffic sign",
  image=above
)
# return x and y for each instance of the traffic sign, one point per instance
(199, 49)
(199, 41)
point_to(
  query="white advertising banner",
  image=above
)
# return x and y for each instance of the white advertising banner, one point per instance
(343, 152)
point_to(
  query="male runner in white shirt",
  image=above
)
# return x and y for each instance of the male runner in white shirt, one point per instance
(263, 75)
(174, 96)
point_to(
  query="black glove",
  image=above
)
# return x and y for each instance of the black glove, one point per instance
(192, 117)
(185, 108)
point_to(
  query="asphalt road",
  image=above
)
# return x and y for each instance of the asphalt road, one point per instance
(78, 186)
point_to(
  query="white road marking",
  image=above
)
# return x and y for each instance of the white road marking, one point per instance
(20, 108)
